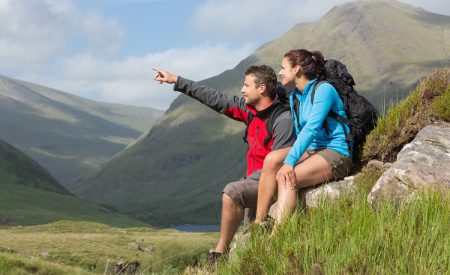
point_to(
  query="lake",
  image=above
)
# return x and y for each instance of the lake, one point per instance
(197, 227)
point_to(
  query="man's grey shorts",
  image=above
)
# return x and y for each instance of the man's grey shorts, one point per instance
(244, 193)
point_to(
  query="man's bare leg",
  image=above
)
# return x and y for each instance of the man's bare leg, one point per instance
(231, 218)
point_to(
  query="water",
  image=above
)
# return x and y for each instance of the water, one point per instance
(197, 227)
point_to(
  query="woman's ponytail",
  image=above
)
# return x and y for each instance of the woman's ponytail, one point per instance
(311, 63)
(320, 62)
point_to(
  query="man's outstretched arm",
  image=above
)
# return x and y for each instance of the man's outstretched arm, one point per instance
(232, 106)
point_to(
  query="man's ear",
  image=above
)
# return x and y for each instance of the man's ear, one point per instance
(262, 88)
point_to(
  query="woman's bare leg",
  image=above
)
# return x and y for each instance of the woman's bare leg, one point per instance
(311, 171)
(267, 186)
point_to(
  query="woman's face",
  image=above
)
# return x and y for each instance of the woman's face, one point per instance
(287, 72)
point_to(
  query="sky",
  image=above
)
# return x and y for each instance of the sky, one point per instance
(105, 49)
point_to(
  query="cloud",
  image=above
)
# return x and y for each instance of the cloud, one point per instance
(111, 2)
(130, 80)
(34, 32)
(252, 19)
(436, 6)
(54, 43)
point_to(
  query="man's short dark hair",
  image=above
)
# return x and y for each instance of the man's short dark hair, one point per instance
(264, 75)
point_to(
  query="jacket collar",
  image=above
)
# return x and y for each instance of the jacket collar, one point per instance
(307, 87)
(263, 114)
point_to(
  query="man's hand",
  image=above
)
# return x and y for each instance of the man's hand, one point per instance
(286, 176)
(164, 76)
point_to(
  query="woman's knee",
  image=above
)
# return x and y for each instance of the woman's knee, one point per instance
(274, 160)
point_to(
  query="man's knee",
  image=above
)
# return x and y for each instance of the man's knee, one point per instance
(233, 191)
(242, 193)
(228, 200)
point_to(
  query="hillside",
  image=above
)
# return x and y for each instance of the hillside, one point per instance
(176, 173)
(30, 195)
(68, 135)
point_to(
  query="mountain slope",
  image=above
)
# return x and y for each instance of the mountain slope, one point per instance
(176, 173)
(30, 195)
(68, 135)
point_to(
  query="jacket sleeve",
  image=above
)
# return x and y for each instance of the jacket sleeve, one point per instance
(323, 100)
(229, 105)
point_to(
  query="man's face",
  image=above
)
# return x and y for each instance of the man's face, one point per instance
(287, 72)
(251, 93)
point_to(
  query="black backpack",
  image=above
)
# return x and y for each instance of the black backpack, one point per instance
(362, 115)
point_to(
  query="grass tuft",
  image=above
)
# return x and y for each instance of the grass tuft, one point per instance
(428, 102)
(441, 106)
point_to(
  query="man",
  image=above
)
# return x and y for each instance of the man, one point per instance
(259, 108)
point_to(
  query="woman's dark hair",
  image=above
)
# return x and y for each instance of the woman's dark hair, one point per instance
(311, 63)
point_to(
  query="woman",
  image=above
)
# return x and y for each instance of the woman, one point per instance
(320, 152)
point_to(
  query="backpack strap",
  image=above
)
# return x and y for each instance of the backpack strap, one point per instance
(348, 135)
(295, 111)
(271, 121)
(313, 93)
(249, 119)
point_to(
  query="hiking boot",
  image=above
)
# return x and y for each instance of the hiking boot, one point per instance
(265, 226)
(213, 258)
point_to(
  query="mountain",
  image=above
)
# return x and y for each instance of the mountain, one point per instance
(30, 195)
(176, 173)
(67, 135)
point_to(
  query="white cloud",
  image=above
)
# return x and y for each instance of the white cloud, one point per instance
(251, 19)
(108, 2)
(28, 35)
(34, 32)
(436, 6)
(130, 80)
(53, 43)
(254, 18)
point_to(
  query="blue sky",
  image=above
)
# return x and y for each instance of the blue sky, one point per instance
(105, 49)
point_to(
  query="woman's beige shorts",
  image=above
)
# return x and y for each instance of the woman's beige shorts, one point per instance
(340, 165)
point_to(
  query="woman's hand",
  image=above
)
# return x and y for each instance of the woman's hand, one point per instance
(286, 176)
(164, 76)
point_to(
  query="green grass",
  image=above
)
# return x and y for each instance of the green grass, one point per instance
(429, 101)
(441, 106)
(71, 247)
(349, 236)
(29, 206)
(14, 264)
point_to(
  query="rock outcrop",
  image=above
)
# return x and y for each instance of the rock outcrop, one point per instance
(422, 164)
(329, 191)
